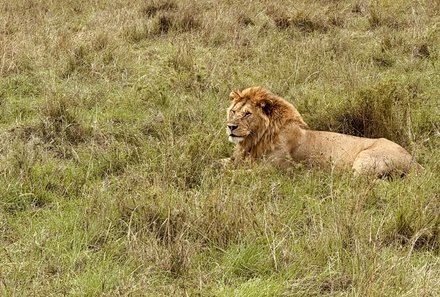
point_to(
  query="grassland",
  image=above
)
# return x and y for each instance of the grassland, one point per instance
(112, 120)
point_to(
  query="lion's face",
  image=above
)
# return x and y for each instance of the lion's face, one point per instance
(245, 119)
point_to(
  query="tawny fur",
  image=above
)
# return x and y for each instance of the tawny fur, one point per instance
(265, 126)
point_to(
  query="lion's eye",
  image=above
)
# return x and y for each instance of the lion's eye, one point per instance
(247, 113)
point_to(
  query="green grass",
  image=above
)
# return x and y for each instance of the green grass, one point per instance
(112, 123)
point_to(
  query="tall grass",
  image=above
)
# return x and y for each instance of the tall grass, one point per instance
(112, 124)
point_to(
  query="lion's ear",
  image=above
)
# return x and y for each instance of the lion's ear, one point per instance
(267, 105)
(234, 95)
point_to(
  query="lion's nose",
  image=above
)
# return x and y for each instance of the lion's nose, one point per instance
(232, 127)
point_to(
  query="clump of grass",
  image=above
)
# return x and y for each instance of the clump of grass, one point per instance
(380, 111)
(359, 7)
(101, 42)
(58, 126)
(414, 226)
(336, 284)
(13, 63)
(422, 51)
(151, 9)
(307, 24)
(383, 60)
(60, 123)
(25, 86)
(183, 21)
(404, 234)
(77, 60)
(245, 20)
(301, 20)
(152, 218)
(380, 16)
(164, 19)
(135, 33)
(183, 60)
(248, 262)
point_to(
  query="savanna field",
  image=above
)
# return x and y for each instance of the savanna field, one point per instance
(112, 122)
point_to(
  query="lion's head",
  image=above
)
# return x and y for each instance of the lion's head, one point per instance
(255, 112)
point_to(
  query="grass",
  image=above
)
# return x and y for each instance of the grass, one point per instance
(112, 122)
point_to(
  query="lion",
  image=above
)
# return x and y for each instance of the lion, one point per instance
(264, 126)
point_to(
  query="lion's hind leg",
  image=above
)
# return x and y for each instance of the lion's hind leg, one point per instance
(368, 163)
(382, 162)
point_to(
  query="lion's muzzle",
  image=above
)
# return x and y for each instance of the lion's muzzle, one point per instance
(232, 137)
(232, 127)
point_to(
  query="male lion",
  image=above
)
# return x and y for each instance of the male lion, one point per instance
(265, 126)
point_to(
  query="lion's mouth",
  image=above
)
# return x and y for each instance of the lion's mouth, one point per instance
(235, 139)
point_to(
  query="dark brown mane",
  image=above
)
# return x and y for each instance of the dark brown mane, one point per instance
(279, 110)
